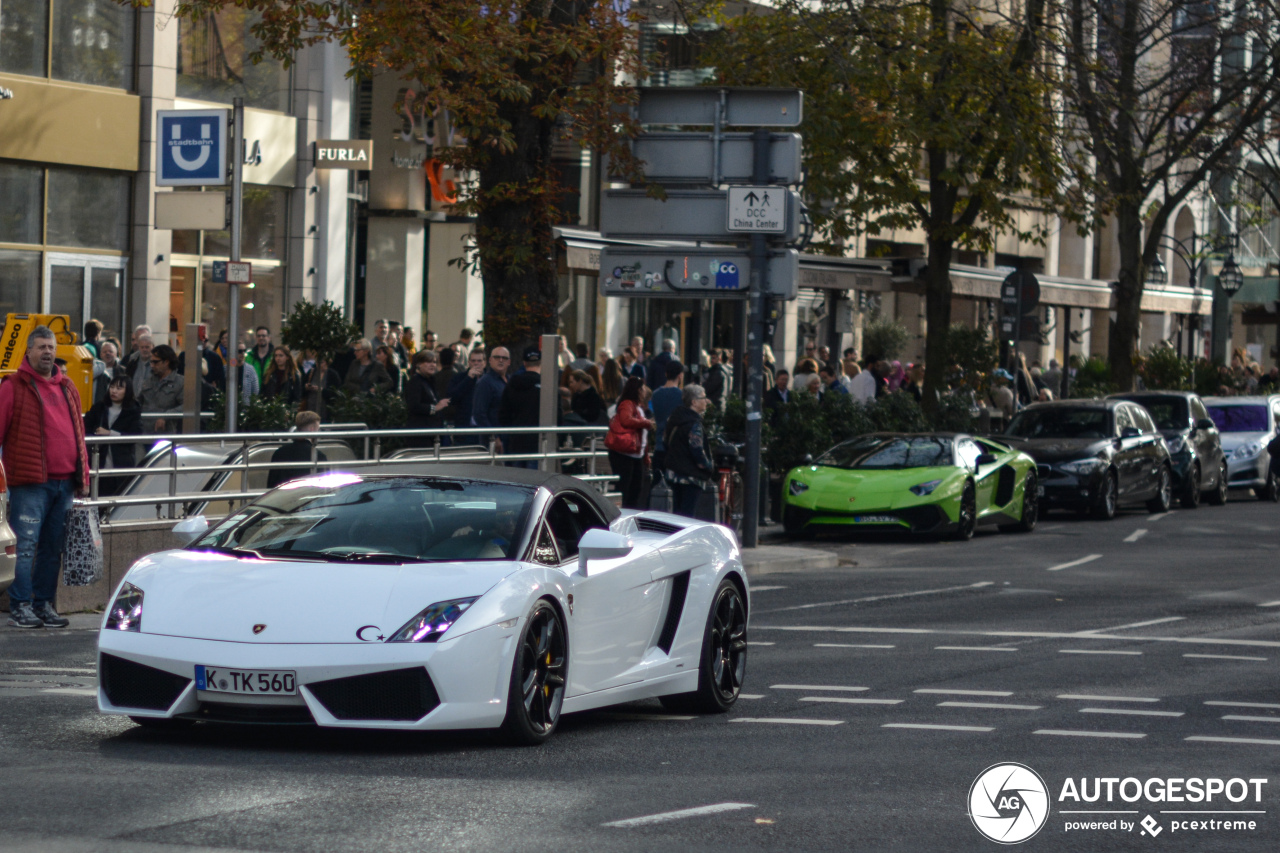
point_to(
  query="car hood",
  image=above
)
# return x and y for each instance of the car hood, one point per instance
(844, 490)
(223, 597)
(1051, 450)
(1232, 440)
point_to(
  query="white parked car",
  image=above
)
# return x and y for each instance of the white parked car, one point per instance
(1247, 425)
(436, 597)
(8, 541)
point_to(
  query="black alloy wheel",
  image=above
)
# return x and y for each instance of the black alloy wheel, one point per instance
(1030, 508)
(538, 675)
(967, 522)
(1218, 497)
(1105, 506)
(1191, 489)
(1271, 491)
(1163, 498)
(723, 665)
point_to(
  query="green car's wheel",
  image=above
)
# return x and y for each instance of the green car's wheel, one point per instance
(968, 520)
(1191, 491)
(1030, 508)
(1105, 506)
(1218, 496)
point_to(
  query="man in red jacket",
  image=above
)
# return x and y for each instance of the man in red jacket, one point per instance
(47, 464)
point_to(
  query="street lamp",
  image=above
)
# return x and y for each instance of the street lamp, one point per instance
(1230, 278)
(1157, 273)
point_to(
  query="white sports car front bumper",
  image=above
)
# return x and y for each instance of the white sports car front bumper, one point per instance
(465, 683)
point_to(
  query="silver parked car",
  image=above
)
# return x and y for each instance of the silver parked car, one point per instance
(1247, 425)
(9, 542)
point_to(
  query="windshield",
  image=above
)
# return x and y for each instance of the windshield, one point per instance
(879, 452)
(1167, 412)
(1239, 418)
(1059, 422)
(343, 517)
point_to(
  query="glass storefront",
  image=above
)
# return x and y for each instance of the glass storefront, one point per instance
(214, 65)
(91, 41)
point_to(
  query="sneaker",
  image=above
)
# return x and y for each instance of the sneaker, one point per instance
(45, 613)
(22, 616)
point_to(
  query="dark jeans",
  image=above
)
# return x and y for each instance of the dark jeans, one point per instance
(38, 516)
(630, 473)
(684, 499)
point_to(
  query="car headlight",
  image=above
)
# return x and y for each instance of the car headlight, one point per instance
(1082, 467)
(126, 610)
(430, 625)
(1176, 445)
(923, 489)
(797, 487)
(1247, 451)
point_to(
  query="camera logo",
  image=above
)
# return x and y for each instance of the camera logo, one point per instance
(1008, 803)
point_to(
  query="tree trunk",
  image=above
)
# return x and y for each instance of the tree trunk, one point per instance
(1124, 336)
(514, 236)
(938, 319)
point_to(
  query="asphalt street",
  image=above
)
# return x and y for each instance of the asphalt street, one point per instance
(877, 692)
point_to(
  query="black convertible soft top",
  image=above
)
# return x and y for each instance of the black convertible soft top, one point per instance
(552, 482)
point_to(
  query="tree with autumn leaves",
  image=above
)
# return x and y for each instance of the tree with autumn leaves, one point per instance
(510, 77)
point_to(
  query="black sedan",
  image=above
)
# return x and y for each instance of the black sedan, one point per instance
(1095, 455)
(1195, 448)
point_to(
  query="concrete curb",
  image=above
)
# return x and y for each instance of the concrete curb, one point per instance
(780, 559)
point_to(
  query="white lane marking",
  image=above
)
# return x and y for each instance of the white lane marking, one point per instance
(1136, 535)
(845, 700)
(1221, 657)
(1132, 712)
(663, 817)
(1096, 652)
(1248, 719)
(1270, 604)
(1069, 733)
(888, 597)
(1160, 621)
(79, 669)
(1244, 705)
(766, 588)
(788, 721)
(1043, 528)
(750, 695)
(938, 727)
(623, 715)
(79, 691)
(1157, 516)
(1087, 698)
(972, 649)
(1074, 563)
(1207, 739)
(996, 706)
(853, 646)
(759, 643)
(816, 687)
(1037, 635)
(945, 692)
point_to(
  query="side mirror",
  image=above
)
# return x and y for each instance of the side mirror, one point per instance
(1206, 424)
(190, 528)
(987, 459)
(600, 544)
(1130, 432)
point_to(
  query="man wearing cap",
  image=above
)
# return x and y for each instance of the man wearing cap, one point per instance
(522, 405)
(1001, 395)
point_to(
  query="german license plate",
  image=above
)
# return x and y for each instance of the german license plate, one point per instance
(217, 679)
(876, 519)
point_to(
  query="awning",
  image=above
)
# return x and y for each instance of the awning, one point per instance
(824, 272)
(982, 283)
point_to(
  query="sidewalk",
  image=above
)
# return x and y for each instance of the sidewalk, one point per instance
(780, 559)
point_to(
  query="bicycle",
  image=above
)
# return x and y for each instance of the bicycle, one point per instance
(730, 495)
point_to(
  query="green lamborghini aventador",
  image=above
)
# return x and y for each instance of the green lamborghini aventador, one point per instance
(935, 483)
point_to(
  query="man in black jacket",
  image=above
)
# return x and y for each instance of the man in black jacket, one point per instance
(687, 463)
(522, 405)
(298, 450)
(718, 380)
(420, 396)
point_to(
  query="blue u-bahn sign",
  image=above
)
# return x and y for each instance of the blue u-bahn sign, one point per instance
(191, 148)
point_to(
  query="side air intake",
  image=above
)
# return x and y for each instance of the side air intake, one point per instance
(650, 525)
(679, 590)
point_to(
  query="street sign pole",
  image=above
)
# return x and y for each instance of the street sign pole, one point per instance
(233, 289)
(755, 353)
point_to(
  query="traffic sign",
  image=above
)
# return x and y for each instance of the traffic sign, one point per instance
(736, 107)
(690, 215)
(232, 272)
(191, 148)
(757, 210)
(1020, 292)
(690, 158)
(699, 272)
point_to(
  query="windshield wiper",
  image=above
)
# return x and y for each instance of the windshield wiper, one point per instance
(234, 552)
(367, 557)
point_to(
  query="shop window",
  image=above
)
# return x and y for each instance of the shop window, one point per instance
(265, 226)
(88, 209)
(19, 281)
(24, 36)
(93, 42)
(261, 303)
(21, 201)
(214, 64)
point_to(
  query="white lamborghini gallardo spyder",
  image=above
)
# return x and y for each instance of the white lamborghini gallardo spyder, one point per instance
(437, 597)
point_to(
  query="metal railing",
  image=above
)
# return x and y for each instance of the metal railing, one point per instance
(214, 459)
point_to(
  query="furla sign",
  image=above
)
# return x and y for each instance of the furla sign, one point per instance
(344, 153)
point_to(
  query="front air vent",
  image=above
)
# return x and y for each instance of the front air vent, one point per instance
(269, 715)
(679, 591)
(398, 694)
(650, 525)
(1005, 485)
(135, 685)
